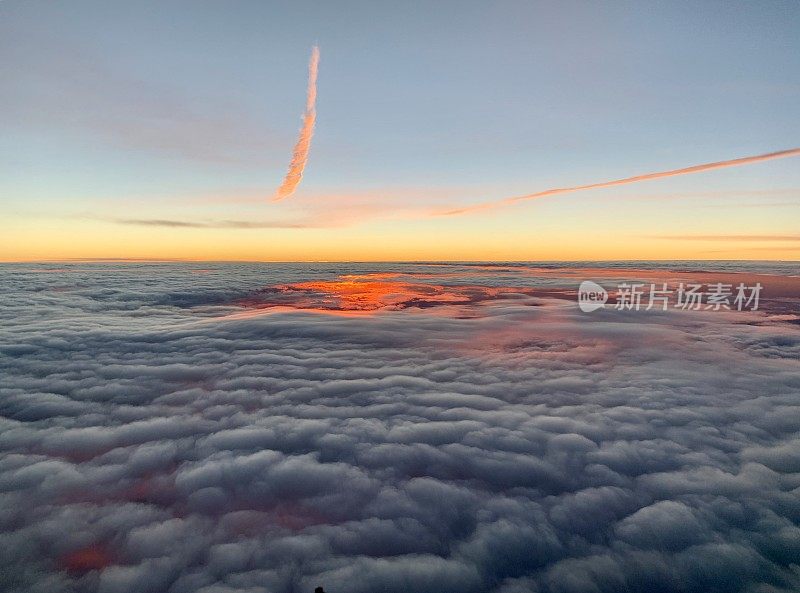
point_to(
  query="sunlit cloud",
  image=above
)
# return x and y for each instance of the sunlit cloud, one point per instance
(755, 238)
(300, 154)
(625, 181)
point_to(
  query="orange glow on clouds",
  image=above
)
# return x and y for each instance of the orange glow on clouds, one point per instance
(93, 557)
(365, 294)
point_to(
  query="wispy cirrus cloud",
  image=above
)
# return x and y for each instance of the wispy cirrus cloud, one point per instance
(301, 149)
(754, 238)
(625, 181)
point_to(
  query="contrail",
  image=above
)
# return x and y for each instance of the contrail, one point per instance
(635, 179)
(300, 153)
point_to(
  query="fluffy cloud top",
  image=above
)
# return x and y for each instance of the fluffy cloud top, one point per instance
(155, 440)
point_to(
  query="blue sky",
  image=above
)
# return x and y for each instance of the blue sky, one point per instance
(455, 101)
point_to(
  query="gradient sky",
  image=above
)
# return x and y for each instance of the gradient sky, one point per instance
(161, 129)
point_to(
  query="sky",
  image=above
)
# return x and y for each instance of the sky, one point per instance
(162, 130)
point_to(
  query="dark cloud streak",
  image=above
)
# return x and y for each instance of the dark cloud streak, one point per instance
(219, 224)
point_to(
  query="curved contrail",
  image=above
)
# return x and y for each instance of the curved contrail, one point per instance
(635, 179)
(300, 153)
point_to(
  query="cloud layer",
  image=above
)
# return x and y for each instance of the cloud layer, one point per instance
(154, 443)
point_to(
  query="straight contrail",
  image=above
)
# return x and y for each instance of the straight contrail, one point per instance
(635, 179)
(300, 153)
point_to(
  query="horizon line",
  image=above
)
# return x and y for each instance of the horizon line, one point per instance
(132, 260)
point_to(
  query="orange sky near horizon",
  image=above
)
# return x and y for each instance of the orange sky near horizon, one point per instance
(38, 240)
